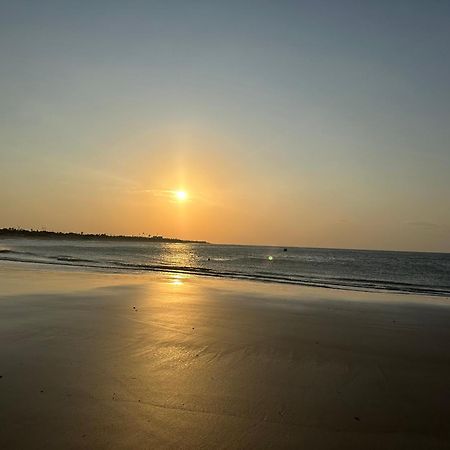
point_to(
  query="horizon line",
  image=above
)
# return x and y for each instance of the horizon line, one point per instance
(161, 238)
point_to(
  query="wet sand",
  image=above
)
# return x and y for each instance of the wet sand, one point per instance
(98, 360)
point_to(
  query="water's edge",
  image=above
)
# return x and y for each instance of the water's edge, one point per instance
(330, 283)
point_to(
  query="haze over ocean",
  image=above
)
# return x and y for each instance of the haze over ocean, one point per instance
(301, 123)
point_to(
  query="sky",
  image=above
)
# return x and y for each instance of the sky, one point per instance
(306, 123)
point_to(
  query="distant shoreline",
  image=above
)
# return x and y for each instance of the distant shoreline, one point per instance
(41, 234)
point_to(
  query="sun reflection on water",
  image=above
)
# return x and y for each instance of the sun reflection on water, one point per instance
(179, 255)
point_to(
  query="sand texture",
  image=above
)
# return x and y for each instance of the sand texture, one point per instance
(109, 361)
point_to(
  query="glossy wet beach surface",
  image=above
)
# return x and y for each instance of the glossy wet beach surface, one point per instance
(92, 360)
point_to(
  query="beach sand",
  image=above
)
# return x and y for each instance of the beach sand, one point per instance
(101, 360)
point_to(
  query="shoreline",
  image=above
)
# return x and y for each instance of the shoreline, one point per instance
(108, 360)
(201, 272)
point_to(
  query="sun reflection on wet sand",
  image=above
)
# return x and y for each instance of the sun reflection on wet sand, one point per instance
(178, 279)
(163, 360)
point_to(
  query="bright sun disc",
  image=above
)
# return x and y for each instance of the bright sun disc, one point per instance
(181, 195)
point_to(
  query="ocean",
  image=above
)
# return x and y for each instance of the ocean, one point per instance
(403, 272)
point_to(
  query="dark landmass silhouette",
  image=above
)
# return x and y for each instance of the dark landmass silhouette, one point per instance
(43, 234)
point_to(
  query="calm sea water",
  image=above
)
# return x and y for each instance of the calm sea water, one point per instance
(408, 272)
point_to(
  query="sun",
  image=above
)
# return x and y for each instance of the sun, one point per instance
(181, 196)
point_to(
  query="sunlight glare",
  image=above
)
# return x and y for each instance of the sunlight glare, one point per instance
(181, 196)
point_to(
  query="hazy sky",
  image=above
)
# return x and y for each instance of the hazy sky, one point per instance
(310, 123)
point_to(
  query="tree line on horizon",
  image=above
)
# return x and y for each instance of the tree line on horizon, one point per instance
(24, 233)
